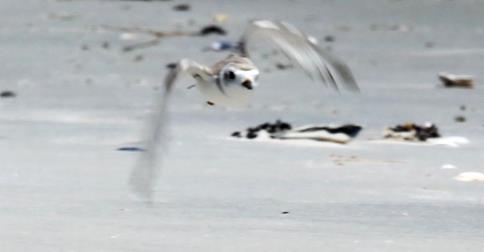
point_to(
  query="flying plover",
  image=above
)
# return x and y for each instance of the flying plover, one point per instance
(231, 81)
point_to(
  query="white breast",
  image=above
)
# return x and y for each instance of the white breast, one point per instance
(231, 98)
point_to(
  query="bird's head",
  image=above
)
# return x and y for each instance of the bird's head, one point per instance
(239, 78)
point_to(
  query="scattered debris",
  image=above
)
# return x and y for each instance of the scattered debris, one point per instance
(220, 17)
(236, 134)
(130, 148)
(470, 177)
(138, 58)
(130, 33)
(182, 7)
(453, 80)
(448, 167)
(329, 38)
(429, 44)
(223, 45)
(412, 132)
(7, 94)
(282, 66)
(105, 45)
(460, 119)
(63, 16)
(212, 29)
(284, 131)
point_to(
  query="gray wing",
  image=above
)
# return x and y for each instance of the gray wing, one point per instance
(147, 167)
(300, 49)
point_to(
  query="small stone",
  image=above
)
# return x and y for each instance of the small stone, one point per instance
(105, 45)
(329, 38)
(84, 47)
(429, 44)
(138, 58)
(282, 66)
(182, 7)
(236, 134)
(7, 94)
(460, 119)
(463, 107)
(285, 212)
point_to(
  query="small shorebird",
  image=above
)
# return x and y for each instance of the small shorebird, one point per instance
(231, 81)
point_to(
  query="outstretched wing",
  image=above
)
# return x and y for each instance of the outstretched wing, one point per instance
(146, 169)
(300, 49)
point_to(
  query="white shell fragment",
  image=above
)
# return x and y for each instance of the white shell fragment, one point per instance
(470, 177)
(448, 167)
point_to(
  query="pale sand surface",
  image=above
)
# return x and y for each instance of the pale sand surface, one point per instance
(63, 185)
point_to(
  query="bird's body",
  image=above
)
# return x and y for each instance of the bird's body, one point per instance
(232, 80)
(222, 83)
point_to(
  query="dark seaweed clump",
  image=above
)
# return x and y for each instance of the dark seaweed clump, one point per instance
(422, 132)
(271, 128)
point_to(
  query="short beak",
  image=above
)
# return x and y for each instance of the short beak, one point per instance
(248, 84)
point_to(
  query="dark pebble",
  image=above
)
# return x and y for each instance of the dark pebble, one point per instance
(429, 44)
(7, 94)
(460, 119)
(105, 45)
(182, 7)
(422, 133)
(212, 29)
(130, 149)
(329, 38)
(236, 134)
(285, 212)
(282, 66)
(138, 58)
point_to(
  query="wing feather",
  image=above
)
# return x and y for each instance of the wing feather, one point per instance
(311, 58)
(147, 167)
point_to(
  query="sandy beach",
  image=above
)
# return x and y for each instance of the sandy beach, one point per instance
(79, 96)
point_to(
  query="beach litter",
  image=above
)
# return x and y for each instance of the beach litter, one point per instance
(426, 133)
(454, 80)
(182, 7)
(281, 130)
(223, 45)
(412, 132)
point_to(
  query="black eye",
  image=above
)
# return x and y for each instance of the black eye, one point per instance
(229, 75)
